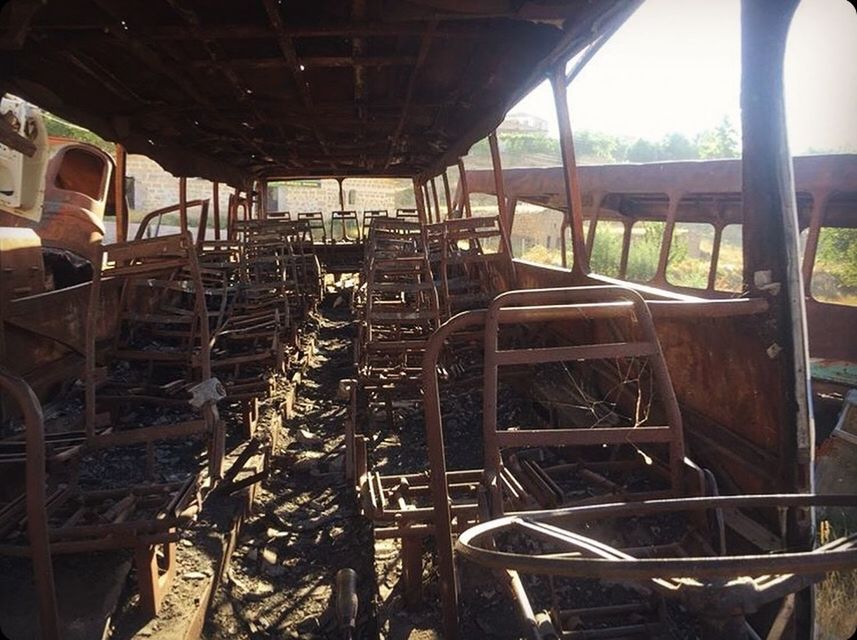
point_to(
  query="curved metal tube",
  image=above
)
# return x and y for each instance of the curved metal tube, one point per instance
(828, 558)
(37, 517)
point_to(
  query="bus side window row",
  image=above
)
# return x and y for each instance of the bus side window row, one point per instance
(699, 260)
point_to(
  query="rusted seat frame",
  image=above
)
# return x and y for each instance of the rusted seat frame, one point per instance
(307, 268)
(482, 271)
(247, 351)
(384, 500)
(35, 496)
(235, 342)
(133, 260)
(587, 303)
(590, 303)
(315, 220)
(222, 259)
(116, 529)
(279, 286)
(341, 219)
(400, 308)
(443, 520)
(289, 244)
(388, 353)
(158, 213)
(408, 214)
(270, 279)
(368, 216)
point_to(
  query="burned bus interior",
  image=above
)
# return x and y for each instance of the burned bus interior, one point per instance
(279, 407)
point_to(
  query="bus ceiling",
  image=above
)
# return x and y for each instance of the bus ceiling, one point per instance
(293, 88)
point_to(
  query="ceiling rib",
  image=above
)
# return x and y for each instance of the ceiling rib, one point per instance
(287, 48)
(425, 45)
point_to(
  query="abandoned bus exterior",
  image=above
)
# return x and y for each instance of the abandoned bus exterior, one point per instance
(257, 421)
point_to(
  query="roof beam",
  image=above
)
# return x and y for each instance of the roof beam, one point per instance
(425, 45)
(152, 59)
(263, 32)
(223, 64)
(313, 61)
(358, 49)
(287, 48)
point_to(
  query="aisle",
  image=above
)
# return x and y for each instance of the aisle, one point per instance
(306, 525)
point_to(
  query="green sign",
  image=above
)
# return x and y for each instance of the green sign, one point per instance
(306, 184)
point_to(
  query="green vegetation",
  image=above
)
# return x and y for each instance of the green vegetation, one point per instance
(645, 250)
(537, 149)
(59, 127)
(542, 255)
(642, 254)
(835, 595)
(834, 276)
(607, 248)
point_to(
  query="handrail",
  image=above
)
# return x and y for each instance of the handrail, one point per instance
(37, 516)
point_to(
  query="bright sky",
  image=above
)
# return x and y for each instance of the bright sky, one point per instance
(675, 66)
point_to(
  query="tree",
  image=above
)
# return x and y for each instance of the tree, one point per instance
(676, 146)
(644, 151)
(720, 142)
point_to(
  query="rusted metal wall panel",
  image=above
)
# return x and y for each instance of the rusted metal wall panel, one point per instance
(730, 398)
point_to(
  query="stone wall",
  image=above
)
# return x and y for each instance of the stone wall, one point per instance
(359, 194)
(154, 188)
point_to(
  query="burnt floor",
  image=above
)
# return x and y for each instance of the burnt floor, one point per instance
(306, 524)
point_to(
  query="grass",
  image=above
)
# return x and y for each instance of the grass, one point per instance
(835, 614)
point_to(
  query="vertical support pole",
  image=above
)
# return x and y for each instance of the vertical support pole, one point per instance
(419, 201)
(512, 207)
(447, 195)
(262, 187)
(215, 201)
(498, 181)
(232, 216)
(771, 232)
(435, 199)
(715, 255)
(120, 202)
(667, 240)
(427, 200)
(569, 164)
(819, 206)
(593, 222)
(183, 203)
(341, 195)
(462, 186)
(626, 249)
(772, 266)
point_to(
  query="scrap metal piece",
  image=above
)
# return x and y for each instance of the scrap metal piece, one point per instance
(346, 601)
